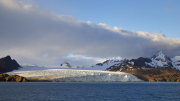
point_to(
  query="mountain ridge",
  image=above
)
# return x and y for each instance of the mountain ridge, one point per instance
(157, 68)
(157, 60)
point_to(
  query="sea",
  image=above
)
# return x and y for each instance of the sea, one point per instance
(104, 91)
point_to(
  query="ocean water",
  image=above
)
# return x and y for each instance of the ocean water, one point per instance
(55, 91)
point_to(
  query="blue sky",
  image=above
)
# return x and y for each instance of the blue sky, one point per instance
(155, 16)
(86, 32)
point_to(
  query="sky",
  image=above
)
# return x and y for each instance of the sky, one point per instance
(85, 32)
(137, 15)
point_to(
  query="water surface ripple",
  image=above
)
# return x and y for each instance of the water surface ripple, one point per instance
(126, 91)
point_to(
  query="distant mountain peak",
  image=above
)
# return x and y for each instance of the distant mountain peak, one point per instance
(160, 53)
(66, 64)
(160, 60)
(160, 56)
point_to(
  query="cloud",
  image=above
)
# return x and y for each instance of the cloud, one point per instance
(34, 35)
(168, 8)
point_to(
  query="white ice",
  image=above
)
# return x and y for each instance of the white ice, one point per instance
(73, 75)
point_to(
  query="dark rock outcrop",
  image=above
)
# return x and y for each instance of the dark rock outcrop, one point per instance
(13, 78)
(7, 64)
(140, 62)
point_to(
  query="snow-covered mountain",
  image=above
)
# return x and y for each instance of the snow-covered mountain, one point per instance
(158, 60)
(106, 64)
(65, 64)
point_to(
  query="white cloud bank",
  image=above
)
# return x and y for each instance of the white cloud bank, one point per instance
(34, 35)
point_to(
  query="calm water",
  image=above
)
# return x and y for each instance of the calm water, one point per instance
(89, 91)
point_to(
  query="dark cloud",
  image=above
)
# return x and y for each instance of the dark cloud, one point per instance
(29, 33)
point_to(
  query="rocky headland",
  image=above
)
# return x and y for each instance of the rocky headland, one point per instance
(13, 78)
(7, 65)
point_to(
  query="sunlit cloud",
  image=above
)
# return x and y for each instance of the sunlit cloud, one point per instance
(34, 35)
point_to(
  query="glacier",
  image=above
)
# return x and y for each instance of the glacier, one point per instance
(73, 75)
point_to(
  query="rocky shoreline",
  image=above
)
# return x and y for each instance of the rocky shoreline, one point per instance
(13, 78)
